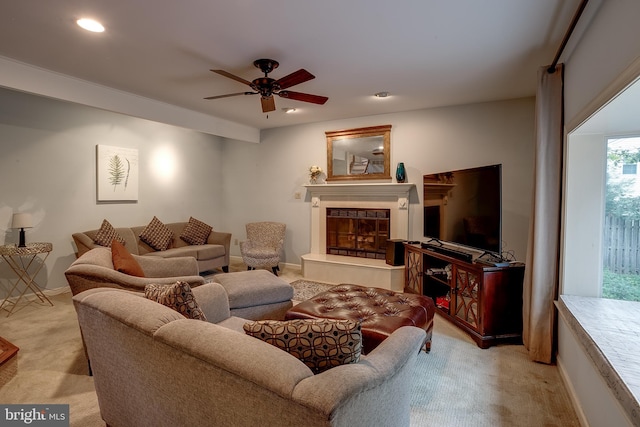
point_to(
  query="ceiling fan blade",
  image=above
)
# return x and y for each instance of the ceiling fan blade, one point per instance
(305, 97)
(295, 78)
(230, 94)
(231, 76)
(268, 104)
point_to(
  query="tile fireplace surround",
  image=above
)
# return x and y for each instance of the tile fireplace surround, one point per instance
(319, 266)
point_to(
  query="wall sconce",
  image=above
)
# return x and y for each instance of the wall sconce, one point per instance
(22, 221)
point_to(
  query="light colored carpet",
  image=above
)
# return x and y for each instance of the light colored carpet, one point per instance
(305, 289)
(456, 384)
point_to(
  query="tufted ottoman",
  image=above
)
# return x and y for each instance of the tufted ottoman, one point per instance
(381, 311)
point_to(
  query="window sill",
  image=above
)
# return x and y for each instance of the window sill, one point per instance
(608, 330)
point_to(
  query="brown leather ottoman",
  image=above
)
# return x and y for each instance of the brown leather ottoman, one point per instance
(381, 311)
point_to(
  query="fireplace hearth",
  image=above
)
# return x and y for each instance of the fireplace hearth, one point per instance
(357, 232)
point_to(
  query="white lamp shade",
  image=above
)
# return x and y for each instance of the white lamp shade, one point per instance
(22, 220)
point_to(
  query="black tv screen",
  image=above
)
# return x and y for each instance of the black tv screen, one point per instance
(465, 207)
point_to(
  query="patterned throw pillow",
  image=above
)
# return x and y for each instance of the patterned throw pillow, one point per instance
(107, 234)
(320, 343)
(178, 297)
(123, 261)
(157, 235)
(196, 232)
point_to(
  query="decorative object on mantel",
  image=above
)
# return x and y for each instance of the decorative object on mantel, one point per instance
(401, 173)
(314, 174)
(22, 220)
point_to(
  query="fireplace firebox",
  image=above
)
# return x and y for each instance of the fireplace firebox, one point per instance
(358, 232)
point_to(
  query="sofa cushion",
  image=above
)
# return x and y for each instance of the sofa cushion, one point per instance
(157, 235)
(320, 344)
(107, 234)
(176, 252)
(177, 296)
(196, 232)
(123, 261)
(209, 251)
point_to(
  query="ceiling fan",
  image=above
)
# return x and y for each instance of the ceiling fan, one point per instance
(266, 87)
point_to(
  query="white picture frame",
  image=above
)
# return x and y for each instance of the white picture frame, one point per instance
(116, 174)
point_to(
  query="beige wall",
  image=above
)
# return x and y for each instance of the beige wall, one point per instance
(262, 180)
(48, 168)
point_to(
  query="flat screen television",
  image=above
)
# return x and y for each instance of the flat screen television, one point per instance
(465, 207)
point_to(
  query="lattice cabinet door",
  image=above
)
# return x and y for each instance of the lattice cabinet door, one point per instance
(413, 271)
(466, 298)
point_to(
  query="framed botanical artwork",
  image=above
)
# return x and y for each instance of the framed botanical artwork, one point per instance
(117, 174)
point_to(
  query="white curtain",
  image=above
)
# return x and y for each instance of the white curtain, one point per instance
(541, 273)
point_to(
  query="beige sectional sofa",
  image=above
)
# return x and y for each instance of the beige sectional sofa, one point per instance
(94, 269)
(213, 254)
(154, 367)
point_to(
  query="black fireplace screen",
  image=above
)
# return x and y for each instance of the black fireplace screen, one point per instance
(357, 232)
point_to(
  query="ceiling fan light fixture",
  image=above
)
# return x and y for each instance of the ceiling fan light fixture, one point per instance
(267, 87)
(90, 25)
(381, 94)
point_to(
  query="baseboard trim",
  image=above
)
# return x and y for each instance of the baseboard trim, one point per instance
(573, 396)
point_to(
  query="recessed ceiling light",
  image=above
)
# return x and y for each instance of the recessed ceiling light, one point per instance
(381, 94)
(90, 25)
(289, 110)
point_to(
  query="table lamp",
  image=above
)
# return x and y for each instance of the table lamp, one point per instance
(22, 221)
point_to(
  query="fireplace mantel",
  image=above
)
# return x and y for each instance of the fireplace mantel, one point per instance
(391, 196)
(318, 265)
(360, 190)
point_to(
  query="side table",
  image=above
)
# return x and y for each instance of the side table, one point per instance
(21, 260)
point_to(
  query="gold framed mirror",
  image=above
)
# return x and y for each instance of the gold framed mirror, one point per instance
(356, 154)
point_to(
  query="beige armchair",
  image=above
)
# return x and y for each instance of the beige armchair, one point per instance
(95, 269)
(264, 245)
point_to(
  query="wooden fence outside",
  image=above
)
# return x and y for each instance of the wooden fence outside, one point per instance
(622, 245)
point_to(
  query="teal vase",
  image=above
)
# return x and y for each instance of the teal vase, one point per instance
(401, 173)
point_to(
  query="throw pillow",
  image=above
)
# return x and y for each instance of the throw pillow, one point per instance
(157, 235)
(177, 296)
(123, 261)
(320, 343)
(106, 234)
(196, 232)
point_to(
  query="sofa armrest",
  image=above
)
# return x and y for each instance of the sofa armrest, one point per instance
(83, 243)
(213, 301)
(221, 238)
(167, 267)
(386, 371)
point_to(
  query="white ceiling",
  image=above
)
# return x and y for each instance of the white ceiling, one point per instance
(426, 53)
